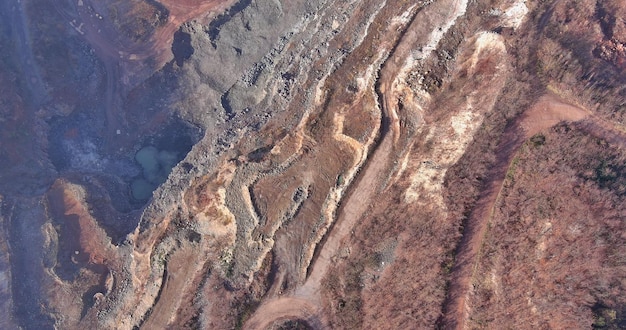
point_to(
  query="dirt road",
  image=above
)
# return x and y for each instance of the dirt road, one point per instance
(304, 304)
(547, 112)
(286, 308)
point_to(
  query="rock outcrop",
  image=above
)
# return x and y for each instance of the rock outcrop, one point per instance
(314, 164)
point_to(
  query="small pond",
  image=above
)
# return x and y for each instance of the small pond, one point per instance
(157, 158)
(157, 165)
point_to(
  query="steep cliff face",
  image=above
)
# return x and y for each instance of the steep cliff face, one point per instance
(312, 164)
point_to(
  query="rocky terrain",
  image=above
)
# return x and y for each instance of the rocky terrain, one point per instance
(248, 164)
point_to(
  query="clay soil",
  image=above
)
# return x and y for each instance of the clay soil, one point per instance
(543, 115)
(444, 164)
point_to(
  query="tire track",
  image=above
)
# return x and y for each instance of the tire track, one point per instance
(546, 113)
(305, 302)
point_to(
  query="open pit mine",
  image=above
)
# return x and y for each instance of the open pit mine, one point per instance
(312, 164)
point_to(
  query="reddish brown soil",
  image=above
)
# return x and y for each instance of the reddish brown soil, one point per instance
(78, 227)
(360, 198)
(84, 256)
(553, 254)
(545, 114)
(536, 241)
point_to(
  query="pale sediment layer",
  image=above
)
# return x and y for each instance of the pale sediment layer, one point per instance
(348, 161)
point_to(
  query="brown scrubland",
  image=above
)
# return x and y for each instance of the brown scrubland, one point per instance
(445, 164)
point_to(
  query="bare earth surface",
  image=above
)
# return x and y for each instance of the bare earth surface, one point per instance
(547, 112)
(319, 164)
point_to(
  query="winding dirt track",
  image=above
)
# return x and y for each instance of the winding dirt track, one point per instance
(546, 113)
(305, 303)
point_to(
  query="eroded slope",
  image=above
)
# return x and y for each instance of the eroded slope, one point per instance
(355, 164)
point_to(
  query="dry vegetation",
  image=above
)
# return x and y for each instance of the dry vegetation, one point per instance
(380, 284)
(389, 191)
(555, 255)
(364, 289)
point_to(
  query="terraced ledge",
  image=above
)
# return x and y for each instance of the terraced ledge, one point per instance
(341, 164)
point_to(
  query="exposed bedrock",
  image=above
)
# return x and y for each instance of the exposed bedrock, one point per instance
(312, 164)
